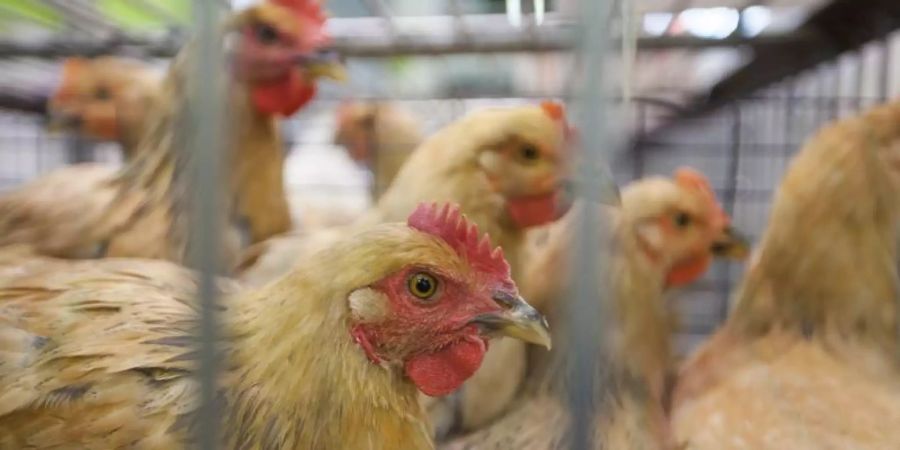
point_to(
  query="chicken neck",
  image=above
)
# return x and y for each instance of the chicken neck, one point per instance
(826, 267)
(638, 345)
(256, 204)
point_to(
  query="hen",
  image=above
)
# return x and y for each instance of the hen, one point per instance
(808, 358)
(507, 168)
(663, 235)
(100, 355)
(379, 135)
(88, 211)
(105, 98)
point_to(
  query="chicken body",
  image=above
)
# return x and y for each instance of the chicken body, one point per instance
(106, 98)
(507, 169)
(138, 211)
(645, 247)
(100, 355)
(808, 359)
(379, 135)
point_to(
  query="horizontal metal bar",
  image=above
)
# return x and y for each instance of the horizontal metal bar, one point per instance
(377, 45)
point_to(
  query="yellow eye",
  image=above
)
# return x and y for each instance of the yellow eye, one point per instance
(423, 285)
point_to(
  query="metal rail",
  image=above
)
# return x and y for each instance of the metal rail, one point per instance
(588, 313)
(363, 38)
(204, 143)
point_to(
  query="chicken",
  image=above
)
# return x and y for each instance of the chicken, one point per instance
(663, 235)
(87, 211)
(100, 356)
(378, 135)
(105, 98)
(507, 168)
(808, 358)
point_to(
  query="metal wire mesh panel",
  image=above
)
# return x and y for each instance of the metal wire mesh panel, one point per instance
(744, 148)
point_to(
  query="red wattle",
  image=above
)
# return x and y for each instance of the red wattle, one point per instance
(442, 372)
(537, 210)
(689, 271)
(283, 97)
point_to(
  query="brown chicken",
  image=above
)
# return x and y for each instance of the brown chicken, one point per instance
(89, 211)
(664, 235)
(106, 98)
(100, 355)
(378, 135)
(808, 358)
(507, 168)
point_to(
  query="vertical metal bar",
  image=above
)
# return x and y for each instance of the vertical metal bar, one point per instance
(728, 197)
(860, 79)
(836, 91)
(639, 156)
(205, 159)
(791, 88)
(79, 149)
(884, 86)
(587, 314)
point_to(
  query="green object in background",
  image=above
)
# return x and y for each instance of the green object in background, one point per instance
(30, 10)
(146, 14)
(398, 64)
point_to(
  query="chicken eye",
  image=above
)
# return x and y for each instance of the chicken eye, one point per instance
(529, 153)
(266, 34)
(422, 285)
(102, 93)
(682, 220)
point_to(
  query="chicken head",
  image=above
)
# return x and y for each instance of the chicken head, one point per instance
(104, 98)
(434, 320)
(528, 165)
(678, 224)
(278, 52)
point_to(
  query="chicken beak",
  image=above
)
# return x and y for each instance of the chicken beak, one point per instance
(323, 64)
(518, 320)
(330, 70)
(731, 244)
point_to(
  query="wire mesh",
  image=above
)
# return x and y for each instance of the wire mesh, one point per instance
(745, 148)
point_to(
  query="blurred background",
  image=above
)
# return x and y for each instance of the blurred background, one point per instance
(730, 87)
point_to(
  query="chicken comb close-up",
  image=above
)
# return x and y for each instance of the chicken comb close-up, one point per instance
(557, 111)
(312, 16)
(72, 69)
(449, 224)
(693, 179)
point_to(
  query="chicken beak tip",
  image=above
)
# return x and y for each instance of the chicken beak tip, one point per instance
(521, 321)
(331, 70)
(732, 245)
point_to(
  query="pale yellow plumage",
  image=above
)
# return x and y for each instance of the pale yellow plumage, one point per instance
(809, 357)
(98, 354)
(87, 211)
(473, 162)
(631, 410)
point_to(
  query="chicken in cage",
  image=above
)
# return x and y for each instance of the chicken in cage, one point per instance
(472, 224)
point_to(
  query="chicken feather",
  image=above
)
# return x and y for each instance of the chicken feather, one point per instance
(101, 354)
(808, 359)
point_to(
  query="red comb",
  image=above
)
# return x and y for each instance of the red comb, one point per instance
(554, 109)
(312, 17)
(450, 225)
(693, 179)
(557, 112)
(68, 85)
